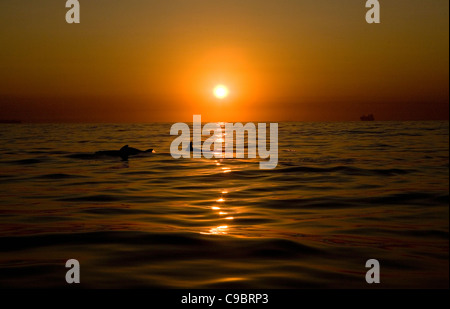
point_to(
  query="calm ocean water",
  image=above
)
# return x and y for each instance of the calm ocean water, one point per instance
(343, 193)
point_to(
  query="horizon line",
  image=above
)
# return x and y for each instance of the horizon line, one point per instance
(21, 122)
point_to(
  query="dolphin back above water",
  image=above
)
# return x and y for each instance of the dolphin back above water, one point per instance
(123, 153)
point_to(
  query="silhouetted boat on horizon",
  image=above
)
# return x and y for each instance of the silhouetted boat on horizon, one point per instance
(370, 117)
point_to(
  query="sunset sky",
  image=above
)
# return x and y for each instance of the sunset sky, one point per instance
(284, 60)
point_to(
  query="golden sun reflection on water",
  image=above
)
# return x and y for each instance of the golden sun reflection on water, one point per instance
(230, 279)
(220, 230)
(224, 215)
(219, 155)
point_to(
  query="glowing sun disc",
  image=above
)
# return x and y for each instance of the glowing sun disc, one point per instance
(221, 92)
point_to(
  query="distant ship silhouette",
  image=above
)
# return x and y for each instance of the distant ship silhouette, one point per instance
(370, 117)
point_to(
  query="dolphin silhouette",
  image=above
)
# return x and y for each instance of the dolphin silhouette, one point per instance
(192, 149)
(124, 152)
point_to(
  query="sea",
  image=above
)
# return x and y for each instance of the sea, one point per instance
(343, 193)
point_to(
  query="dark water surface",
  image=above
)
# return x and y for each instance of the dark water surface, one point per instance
(343, 193)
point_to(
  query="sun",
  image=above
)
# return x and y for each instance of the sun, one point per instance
(221, 92)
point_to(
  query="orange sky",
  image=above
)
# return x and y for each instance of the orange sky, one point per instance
(143, 61)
